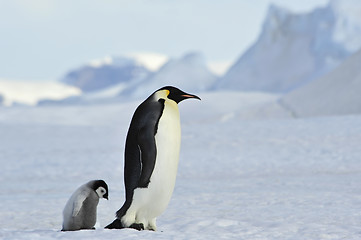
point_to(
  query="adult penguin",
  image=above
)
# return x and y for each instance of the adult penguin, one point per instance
(151, 159)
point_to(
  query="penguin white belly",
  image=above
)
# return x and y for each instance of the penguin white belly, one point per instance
(148, 203)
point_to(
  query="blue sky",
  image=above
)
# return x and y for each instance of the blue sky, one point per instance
(43, 39)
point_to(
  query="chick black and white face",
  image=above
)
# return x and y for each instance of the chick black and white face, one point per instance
(102, 192)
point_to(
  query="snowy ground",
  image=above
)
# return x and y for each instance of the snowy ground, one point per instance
(244, 173)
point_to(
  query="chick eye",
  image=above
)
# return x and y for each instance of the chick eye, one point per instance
(102, 191)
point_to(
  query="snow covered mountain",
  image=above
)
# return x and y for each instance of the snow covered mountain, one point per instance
(101, 74)
(294, 49)
(190, 73)
(338, 92)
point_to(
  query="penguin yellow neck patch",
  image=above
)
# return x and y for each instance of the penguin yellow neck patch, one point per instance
(162, 94)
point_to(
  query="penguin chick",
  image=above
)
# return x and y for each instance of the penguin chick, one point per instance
(80, 212)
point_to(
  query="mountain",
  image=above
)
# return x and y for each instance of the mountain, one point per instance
(102, 74)
(294, 49)
(338, 92)
(102, 81)
(189, 73)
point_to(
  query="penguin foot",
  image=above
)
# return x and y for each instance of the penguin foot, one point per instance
(137, 226)
(116, 224)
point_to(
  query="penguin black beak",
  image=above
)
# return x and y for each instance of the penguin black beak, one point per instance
(185, 96)
(106, 197)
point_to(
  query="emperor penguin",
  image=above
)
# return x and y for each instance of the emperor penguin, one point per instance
(151, 159)
(80, 212)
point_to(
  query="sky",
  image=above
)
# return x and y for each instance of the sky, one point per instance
(43, 39)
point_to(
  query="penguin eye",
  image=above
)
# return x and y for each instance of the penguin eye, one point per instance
(102, 191)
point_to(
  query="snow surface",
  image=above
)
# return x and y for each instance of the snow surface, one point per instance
(246, 171)
(294, 49)
(334, 94)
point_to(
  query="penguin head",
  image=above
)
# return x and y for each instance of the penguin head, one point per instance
(176, 94)
(101, 188)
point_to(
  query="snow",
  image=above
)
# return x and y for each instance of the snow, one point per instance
(107, 60)
(219, 68)
(31, 92)
(348, 23)
(294, 49)
(247, 170)
(153, 61)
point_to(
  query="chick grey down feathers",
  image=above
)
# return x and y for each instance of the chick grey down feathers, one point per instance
(80, 212)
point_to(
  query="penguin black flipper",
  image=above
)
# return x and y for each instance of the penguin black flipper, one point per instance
(148, 154)
(147, 145)
(141, 151)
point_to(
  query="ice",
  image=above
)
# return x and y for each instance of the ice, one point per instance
(334, 94)
(294, 49)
